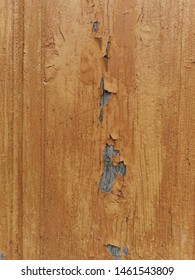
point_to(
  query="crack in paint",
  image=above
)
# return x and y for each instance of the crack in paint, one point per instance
(104, 98)
(95, 26)
(101, 115)
(110, 171)
(125, 251)
(100, 40)
(106, 57)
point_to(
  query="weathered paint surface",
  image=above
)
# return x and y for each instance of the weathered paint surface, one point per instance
(52, 60)
(110, 171)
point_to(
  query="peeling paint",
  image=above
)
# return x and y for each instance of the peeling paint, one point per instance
(106, 59)
(1, 256)
(106, 53)
(108, 46)
(125, 251)
(121, 168)
(102, 85)
(95, 26)
(100, 40)
(114, 251)
(104, 98)
(101, 115)
(110, 84)
(108, 43)
(110, 171)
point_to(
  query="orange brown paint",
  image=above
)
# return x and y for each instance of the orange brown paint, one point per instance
(52, 142)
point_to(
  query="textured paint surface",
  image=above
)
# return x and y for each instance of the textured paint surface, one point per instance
(52, 60)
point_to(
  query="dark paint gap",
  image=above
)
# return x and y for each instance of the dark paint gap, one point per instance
(104, 98)
(95, 26)
(114, 251)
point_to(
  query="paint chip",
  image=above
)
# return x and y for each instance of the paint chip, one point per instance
(110, 85)
(125, 251)
(104, 98)
(121, 168)
(114, 251)
(95, 26)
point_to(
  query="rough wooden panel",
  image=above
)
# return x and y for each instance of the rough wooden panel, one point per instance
(97, 129)
(11, 121)
(33, 130)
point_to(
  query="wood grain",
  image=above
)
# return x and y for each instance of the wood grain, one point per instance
(52, 142)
